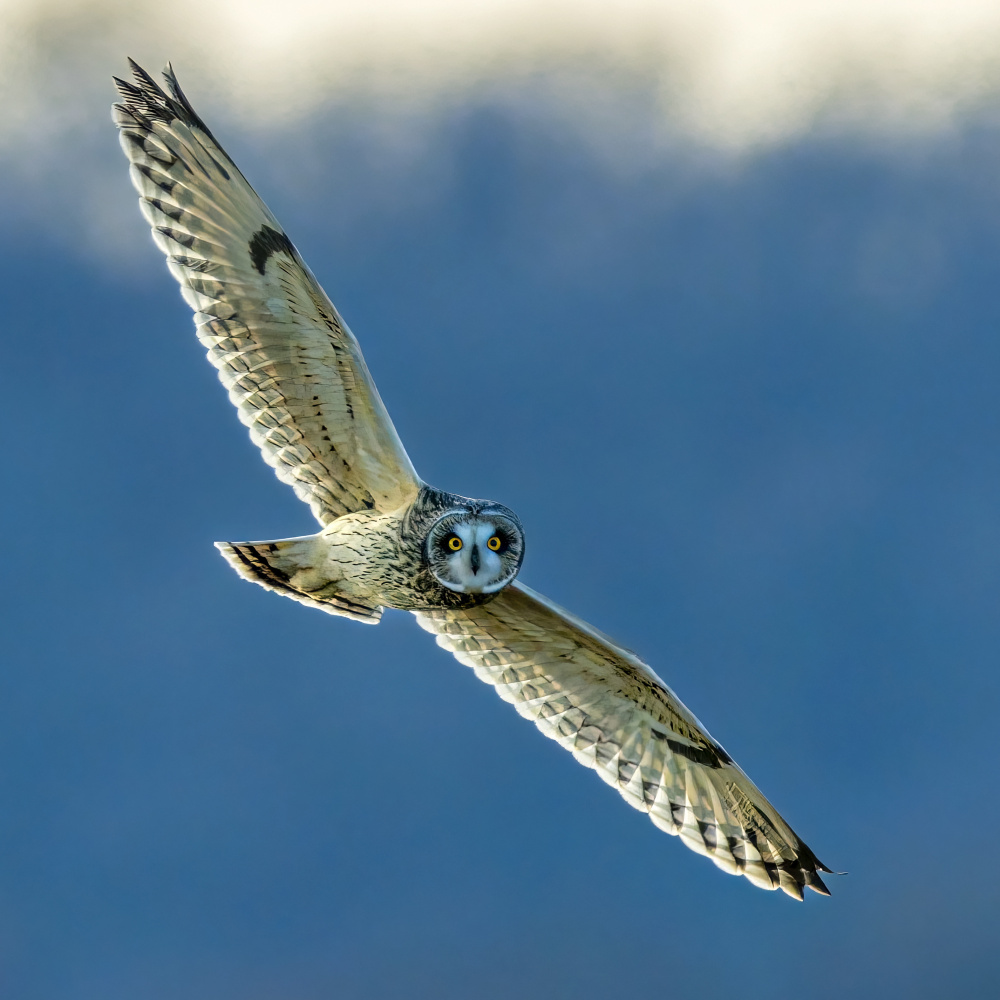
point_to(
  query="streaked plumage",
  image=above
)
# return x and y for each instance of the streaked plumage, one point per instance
(299, 382)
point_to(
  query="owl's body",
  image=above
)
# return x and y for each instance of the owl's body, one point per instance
(365, 561)
(299, 382)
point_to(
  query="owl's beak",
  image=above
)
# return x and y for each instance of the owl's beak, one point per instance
(474, 559)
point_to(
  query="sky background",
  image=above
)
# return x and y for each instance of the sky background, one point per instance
(707, 293)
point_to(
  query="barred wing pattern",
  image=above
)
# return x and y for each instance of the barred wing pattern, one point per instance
(615, 715)
(292, 367)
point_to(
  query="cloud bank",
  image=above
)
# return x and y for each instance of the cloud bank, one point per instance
(732, 73)
(729, 76)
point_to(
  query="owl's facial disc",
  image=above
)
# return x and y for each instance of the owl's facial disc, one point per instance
(476, 551)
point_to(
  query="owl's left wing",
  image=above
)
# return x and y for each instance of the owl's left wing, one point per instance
(614, 715)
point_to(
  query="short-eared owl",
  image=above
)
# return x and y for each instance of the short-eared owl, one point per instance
(297, 378)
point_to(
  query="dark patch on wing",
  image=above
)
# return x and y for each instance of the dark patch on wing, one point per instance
(162, 181)
(185, 239)
(714, 757)
(170, 211)
(194, 263)
(709, 834)
(265, 242)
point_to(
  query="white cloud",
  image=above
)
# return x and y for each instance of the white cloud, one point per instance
(729, 75)
(730, 72)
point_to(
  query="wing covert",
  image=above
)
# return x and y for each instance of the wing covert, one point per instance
(293, 369)
(614, 715)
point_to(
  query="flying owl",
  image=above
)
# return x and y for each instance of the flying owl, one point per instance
(298, 380)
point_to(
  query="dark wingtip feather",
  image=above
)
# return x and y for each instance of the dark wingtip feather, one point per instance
(123, 88)
(804, 871)
(816, 883)
(172, 85)
(146, 101)
(179, 99)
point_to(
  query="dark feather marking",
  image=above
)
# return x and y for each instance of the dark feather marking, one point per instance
(171, 211)
(251, 557)
(709, 834)
(815, 882)
(164, 183)
(138, 139)
(649, 792)
(185, 239)
(265, 242)
(707, 756)
(737, 850)
(195, 264)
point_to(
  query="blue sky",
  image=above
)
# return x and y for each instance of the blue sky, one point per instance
(742, 396)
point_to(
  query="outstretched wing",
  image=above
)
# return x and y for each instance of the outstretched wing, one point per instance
(615, 715)
(291, 365)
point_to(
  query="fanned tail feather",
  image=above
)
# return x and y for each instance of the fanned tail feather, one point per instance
(288, 567)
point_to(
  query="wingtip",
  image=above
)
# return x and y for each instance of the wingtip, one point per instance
(172, 85)
(818, 885)
(793, 889)
(145, 101)
(145, 81)
(126, 88)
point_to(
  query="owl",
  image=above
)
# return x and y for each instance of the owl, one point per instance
(295, 374)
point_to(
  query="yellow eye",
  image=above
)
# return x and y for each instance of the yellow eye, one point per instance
(454, 543)
(494, 544)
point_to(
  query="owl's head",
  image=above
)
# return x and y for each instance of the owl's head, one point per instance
(476, 548)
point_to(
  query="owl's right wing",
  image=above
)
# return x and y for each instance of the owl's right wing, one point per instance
(614, 715)
(291, 365)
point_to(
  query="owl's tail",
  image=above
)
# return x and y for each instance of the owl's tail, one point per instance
(288, 566)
